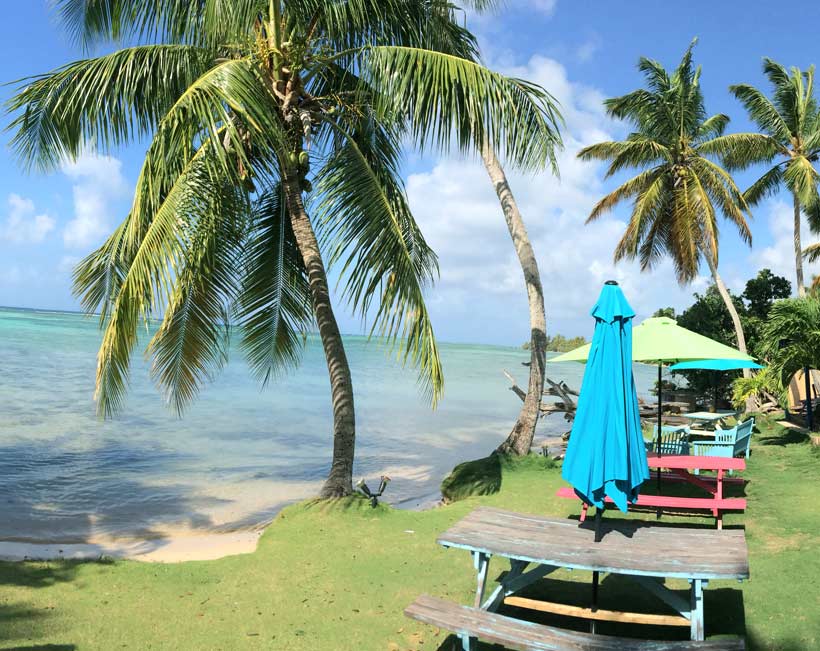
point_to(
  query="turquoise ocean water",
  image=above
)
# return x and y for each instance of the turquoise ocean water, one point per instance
(240, 453)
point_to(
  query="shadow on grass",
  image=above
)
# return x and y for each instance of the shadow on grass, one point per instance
(723, 606)
(788, 436)
(41, 647)
(484, 476)
(18, 621)
(40, 501)
(477, 477)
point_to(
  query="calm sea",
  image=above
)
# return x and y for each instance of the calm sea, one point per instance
(240, 453)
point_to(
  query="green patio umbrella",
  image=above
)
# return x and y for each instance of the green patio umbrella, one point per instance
(660, 340)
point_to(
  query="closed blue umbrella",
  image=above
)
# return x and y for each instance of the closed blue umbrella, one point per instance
(606, 455)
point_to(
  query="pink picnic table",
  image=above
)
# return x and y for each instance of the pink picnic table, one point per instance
(679, 468)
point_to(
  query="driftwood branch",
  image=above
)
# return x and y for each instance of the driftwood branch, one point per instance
(566, 405)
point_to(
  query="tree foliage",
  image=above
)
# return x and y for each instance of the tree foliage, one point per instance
(679, 191)
(789, 124)
(791, 336)
(234, 98)
(708, 316)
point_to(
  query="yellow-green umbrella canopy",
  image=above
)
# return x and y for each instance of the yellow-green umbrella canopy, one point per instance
(661, 340)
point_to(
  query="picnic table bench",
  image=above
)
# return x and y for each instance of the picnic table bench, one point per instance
(646, 554)
(527, 636)
(679, 466)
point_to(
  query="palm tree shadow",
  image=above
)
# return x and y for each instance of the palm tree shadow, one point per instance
(39, 502)
(43, 647)
(788, 436)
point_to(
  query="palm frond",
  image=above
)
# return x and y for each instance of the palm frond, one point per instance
(273, 309)
(712, 127)
(98, 276)
(633, 152)
(719, 187)
(740, 150)
(211, 22)
(99, 103)
(154, 253)
(812, 253)
(801, 178)
(385, 262)
(762, 112)
(444, 98)
(191, 345)
(634, 186)
(766, 186)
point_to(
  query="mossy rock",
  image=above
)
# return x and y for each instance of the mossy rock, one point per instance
(484, 476)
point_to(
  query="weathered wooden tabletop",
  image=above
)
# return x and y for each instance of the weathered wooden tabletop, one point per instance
(627, 547)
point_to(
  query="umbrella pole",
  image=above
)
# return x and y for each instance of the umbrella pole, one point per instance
(599, 512)
(660, 421)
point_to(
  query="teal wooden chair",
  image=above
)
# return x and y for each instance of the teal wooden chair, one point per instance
(730, 443)
(674, 440)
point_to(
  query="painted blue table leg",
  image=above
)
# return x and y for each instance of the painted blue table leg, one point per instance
(696, 609)
(482, 565)
(468, 643)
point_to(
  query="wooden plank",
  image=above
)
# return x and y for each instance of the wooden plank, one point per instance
(599, 614)
(627, 547)
(694, 462)
(520, 635)
(707, 479)
(669, 501)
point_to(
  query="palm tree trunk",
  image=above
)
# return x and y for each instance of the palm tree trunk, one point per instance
(751, 403)
(798, 249)
(520, 438)
(340, 480)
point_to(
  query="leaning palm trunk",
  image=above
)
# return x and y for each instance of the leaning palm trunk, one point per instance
(340, 480)
(520, 438)
(798, 249)
(751, 402)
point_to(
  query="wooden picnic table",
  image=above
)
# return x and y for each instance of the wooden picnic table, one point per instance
(711, 418)
(679, 468)
(647, 554)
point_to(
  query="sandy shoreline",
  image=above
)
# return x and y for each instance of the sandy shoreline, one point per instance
(179, 546)
(172, 549)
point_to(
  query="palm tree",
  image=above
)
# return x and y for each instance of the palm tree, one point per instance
(812, 254)
(790, 131)
(519, 440)
(679, 191)
(240, 99)
(791, 337)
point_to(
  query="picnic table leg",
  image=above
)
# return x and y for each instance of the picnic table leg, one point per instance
(719, 495)
(468, 643)
(482, 564)
(696, 609)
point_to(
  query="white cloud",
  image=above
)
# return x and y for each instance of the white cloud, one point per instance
(98, 182)
(588, 48)
(779, 255)
(67, 264)
(480, 276)
(22, 225)
(544, 6)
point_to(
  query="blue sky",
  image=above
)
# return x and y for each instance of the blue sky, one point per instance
(581, 51)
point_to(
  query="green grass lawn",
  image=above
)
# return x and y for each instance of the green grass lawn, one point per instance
(337, 576)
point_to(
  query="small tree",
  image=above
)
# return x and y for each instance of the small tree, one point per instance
(791, 337)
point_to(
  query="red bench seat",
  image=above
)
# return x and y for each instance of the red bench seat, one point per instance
(712, 504)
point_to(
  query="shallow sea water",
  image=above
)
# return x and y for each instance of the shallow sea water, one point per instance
(240, 453)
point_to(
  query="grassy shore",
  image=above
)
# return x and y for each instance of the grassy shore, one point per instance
(337, 576)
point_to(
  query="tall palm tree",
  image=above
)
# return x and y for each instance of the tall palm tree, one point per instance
(519, 440)
(812, 254)
(240, 99)
(789, 125)
(679, 191)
